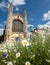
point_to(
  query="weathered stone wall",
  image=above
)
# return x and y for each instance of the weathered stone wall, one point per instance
(11, 17)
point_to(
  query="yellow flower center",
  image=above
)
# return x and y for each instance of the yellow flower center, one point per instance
(27, 64)
(25, 43)
(9, 64)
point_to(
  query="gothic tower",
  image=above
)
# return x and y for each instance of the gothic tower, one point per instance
(16, 24)
(8, 30)
(25, 22)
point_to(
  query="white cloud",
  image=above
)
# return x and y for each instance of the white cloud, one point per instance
(30, 25)
(10, 1)
(1, 31)
(17, 2)
(17, 9)
(4, 5)
(46, 16)
(48, 23)
(43, 26)
(40, 26)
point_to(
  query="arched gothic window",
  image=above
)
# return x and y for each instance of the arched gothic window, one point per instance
(17, 26)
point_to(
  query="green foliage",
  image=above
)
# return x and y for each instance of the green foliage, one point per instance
(37, 53)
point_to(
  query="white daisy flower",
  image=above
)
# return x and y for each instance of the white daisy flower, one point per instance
(27, 63)
(47, 60)
(48, 50)
(18, 54)
(28, 39)
(15, 35)
(33, 56)
(5, 50)
(5, 62)
(25, 43)
(15, 50)
(15, 61)
(10, 44)
(9, 63)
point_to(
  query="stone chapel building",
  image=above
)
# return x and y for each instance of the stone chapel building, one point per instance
(16, 25)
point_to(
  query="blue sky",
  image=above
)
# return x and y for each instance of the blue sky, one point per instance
(38, 12)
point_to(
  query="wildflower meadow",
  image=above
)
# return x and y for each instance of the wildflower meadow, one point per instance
(30, 51)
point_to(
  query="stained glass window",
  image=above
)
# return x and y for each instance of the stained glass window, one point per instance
(17, 26)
